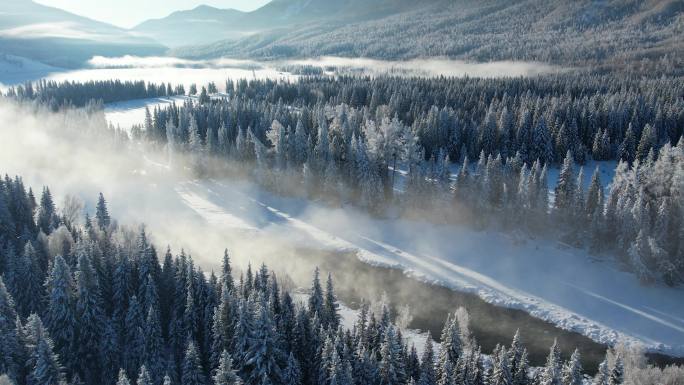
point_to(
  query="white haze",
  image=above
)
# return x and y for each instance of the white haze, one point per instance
(178, 70)
(435, 67)
(66, 30)
(70, 152)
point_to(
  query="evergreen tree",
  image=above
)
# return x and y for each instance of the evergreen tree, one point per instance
(330, 317)
(572, 371)
(427, 367)
(501, 374)
(153, 354)
(10, 346)
(60, 317)
(263, 355)
(123, 378)
(551, 373)
(520, 376)
(144, 377)
(47, 217)
(565, 190)
(192, 372)
(451, 345)
(225, 374)
(135, 338)
(90, 319)
(46, 369)
(102, 214)
(316, 297)
(292, 374)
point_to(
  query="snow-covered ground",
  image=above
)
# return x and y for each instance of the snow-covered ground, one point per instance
(559, 285)
(564, 286)
(126, 114)
(15, 69)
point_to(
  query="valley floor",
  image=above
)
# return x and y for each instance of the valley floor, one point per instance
(561, 285)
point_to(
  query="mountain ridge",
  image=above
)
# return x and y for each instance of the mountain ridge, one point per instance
(608, 33)
(63, 39)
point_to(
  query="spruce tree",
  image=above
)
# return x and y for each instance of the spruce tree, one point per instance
(330, 317)
(261, 362)
(90, 319)
(123, 378)
(551, 373)
(316, 297)
(102, 214)
(60, 317)
(192, 372)
(46, 368)
(225, 373)
(10, 346)
(144, 377)
(565, 190)
(153, 354)
(135, 338)
(572, 371)
(292, 374)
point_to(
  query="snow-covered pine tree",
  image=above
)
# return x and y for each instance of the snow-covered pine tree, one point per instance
(451, 345)
(427, 364)
(144, 377)
(316, 296)
(565, 191)
(330, 317)
(551, 373)
(501, 373)
(90, 318)
(134, 338)
(192, 372)
(60, 318)
(225, 374)
(47, 219)
(153, 354)
(262, 358)
(572, 370)
(10, 346)
(102, 213)
(123, 378)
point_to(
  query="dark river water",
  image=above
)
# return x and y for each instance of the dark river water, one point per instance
(430, 304)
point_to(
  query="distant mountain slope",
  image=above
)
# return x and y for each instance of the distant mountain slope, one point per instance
(197, 26)
(565, 32)
(62, 39)
(205, 24)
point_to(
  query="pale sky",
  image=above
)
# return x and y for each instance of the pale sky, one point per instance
(128, 13)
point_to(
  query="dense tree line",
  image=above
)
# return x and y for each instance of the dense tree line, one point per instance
(344, 138)
(72, 93)
(602, 117)
(90, 304)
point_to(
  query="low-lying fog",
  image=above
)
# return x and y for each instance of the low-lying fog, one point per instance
(165, 69)
(71, 153)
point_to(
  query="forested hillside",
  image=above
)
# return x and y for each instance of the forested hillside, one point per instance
(638, 35)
